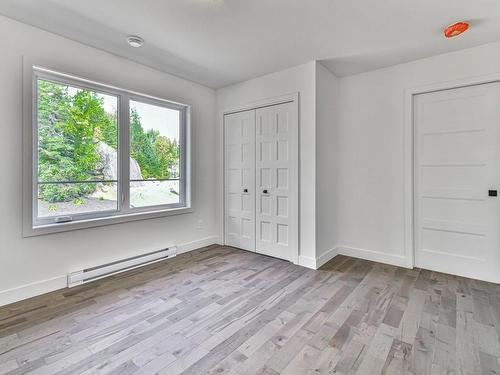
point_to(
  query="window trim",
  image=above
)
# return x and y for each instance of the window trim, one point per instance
(32, 225)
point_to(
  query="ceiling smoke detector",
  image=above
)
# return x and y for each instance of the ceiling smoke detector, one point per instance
(135, 41)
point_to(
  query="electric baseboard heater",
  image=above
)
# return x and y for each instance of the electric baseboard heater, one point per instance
(91, 274)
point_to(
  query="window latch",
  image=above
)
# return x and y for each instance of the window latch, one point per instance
(63, 219)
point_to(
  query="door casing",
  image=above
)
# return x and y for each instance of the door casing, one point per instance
(409, 154)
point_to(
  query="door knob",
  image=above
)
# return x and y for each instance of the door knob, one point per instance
(265, 191)
(492, 193)
(245, 190)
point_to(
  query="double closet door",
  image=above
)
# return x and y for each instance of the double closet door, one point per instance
(261, 180)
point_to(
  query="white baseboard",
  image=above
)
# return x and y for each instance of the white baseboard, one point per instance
(327, 256)
(33, 289)
(193, 245)
(45, 286)
(307, 262)
(375, 256)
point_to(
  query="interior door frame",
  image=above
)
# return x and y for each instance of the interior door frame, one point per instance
(410, 195)
(268, 102)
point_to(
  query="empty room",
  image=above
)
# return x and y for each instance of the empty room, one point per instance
(241, 187)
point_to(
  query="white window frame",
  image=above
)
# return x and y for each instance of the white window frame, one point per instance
(33, 225)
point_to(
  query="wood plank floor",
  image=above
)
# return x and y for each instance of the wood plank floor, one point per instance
(219, 310)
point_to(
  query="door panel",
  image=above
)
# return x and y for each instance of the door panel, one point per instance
(239, 165)
(277, 181)
(457, 160)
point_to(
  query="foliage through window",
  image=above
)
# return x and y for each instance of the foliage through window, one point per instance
(80, 158)
(154, 155)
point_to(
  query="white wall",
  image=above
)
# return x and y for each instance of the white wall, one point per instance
(45, 260)
(299, 79)
(327, 96)
(371, 173)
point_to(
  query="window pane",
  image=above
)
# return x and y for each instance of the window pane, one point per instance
(154, 193)
(77, 134)
(155, 155)
(76, 198)
(77, 142)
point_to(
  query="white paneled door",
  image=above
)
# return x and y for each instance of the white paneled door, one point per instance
(240, 180)
(276, 181)
(261, 180)
(457, 178)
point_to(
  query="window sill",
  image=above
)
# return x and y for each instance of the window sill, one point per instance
(41, 230)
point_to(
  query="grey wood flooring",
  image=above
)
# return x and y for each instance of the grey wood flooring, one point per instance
(220, 310)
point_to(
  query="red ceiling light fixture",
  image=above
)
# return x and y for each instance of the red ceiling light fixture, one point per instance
(456, 29)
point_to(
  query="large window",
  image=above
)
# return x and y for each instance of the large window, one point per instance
(102, 152)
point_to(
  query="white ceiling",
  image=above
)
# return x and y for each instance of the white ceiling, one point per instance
(219, 42)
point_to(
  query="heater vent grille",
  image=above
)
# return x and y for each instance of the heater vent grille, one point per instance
(94, 273)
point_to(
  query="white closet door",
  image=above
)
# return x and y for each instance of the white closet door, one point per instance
(457, 163)
(277, 181)
(240, 180)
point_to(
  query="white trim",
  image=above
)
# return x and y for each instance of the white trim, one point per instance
(307, 262)
(286, 98)
(194, 245)
(374, 256)
(262, 103)
(326, 257)
(32, 289)
(409, 142)
(36, 288)
(102, 221)
(75, 80)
